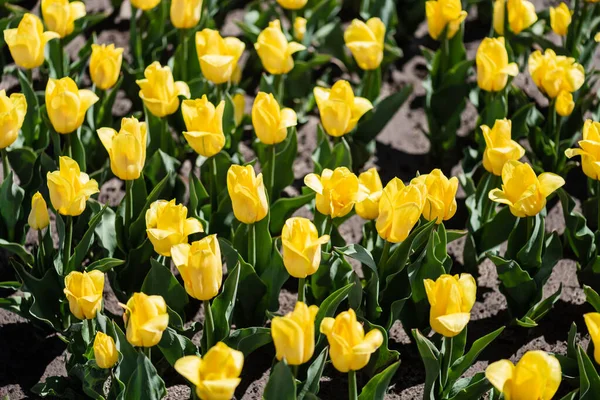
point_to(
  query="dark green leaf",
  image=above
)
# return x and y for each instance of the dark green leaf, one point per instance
(281, 384)
(145, 383)
(247, 340)
(160, 281)
(313, 375)
(377, 387)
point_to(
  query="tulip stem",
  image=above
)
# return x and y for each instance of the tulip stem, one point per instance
(327, 231)
(213, 185)
(272, 154)
(68, 151)
(60, 70)
(352, 390)
(147, 351)
(136, 37)
(184, 54)
(128, 203)
(209, 324)
(67, 242)
(252, 245)
(301, 290)
(91, 328)
(29, 74)
(41, 244)
(5, 164)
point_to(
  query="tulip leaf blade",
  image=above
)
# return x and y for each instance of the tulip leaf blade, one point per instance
(175, 346)
(247, 340)
(105, 264)
(223, 305)
(383, 356)
(18, 250)
(283, 208)
(329, 306)
(11, 198)
(160, 281)
(470, 388)
(137, 229)
(80, 251)
(430, 356)
(578, 235)
(274, 277)
(589, 381)
(358, 253)
(377, 387)
(313, 375)
(145, 382)
(281, 384)
(592, 297)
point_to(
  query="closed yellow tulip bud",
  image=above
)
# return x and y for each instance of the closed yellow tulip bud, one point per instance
(349, 348)
(185, 14)
(294, 334)
(451, 299)
(292, 4)
(70, 188)
(126, 148)
(60, 15)
(274, 50)
(536, 376)
(400, 208)
(145, 5)
(365, 41)
(218, 56)
(271, 122)
(299, 28)
(200, 267)
(216, 375)
(554, 74)
(369, 207)
(38, 217)
(521, 15)
(239, 105)
(146, 318)
(167, 225)
(441, 195)
(564, 104)
(247, 192)
(204, 124)
(105, 65)
(159, 91)
(522, 191)
(337, 191)
(444, 14)
(84, 293)
(105, 351)
(590, 150)
(499, 147)
(66, 104)
(493, 68)
(26, 42)
(12, 114)
(592, 321)
(560, 19)
(340, 110)
(301, 246)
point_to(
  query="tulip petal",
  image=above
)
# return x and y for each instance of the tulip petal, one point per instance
(569, 153)
(499, 372)
(454, 323)
(550, 182)
(220, 388)
(499, 196)
(327, 325)
(372, 341)
(106, 136)
(511, 69)
(469, 291)
(313, 181)
(592, 321)
(288, 118)
(182, 89)
(189, 367)
(288, 339)
(77, 9)
(191, 226)
(294, 47)
(180, 254)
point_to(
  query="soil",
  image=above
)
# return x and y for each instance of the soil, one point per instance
(30, 354)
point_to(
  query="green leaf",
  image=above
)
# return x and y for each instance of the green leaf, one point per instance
(358, 253)
(251, 291)
(105, 264)
(471, 388)
(329, 306)
(22, 161)
(578, 235)
(145, 383)
(160, 281)
(284, 160)
(223, 305)
(11, 197)
(589, 381)
(137, 231)
(247, 340)
(32, 122)
(18, 250)
(377, 387)
(313, 375)
(174, 346)
(274, 277)
(341, 156)
(592, 297)
(281, 384)
(81, 250)
(464, 362)
(430, 356)
(283, 208)
(540, 309)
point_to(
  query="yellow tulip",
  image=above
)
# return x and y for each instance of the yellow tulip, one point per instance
(38, 217)
(444, 14)
(26, 42)
(564, 104)
(159, 91)
(592, 321)
(337, 191)
(294, 334)
(369, 207)
(105, 65)
(274, 50)
(521, 15)
(554, 74)
(299, 28)
(340, 110)
(366, 41)
(499, 147)
(84, 293)
(70, 188)
(597, 37)
(349, 348)
(167, 225)
(560, 19)
(66, 104)
(292, 4)
(145, 5)
(218, 56)
(590, 150)
(216, 375)
(441, 195)
(451, 299)
(185, 14)
(146, 318)
(247, 192)
(271, 122)
(536, 376)
(239, 105)
(12, 114)
(126, 148)
(400, 208)
(200, 267)
(105, 351)
(204, 124)
(301, 246)
(522, 191)
(60, 15)
(493, 68)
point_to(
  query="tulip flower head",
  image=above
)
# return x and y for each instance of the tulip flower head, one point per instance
(26, 42)
(185, 14)
(218, 56)
(60, 15)
(269, 120)
(294, 334)
(38, 217)
(521, 15)
(105, 65)
(493, 68)
(159, 91)
(239, 105)
(299, 28)
(146, 318)
(247, 192)
(66, 104)
(274, 50)
(105, 351)
(554, 74)
(444, 14)
(70, 188)
(126, 148)
(441, 195)
(84, 293)
(499, 147)
(301, 247)
(337, 191)
(145, 5)
(12, 114)
(204, 123)
(560, 19)
(369, 207)
(564, 105)
(592, 321)
(366, 42)
(292, 4)
(400, 208)
(589, 150)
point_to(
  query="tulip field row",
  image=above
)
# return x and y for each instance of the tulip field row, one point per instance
(213, 219)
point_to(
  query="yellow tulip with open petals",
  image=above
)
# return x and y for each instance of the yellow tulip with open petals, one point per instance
(493, 68)
(105, 351)
(84, 293)
(70, 188)
(337, 191)
(499, 147)
(26, 42)
(441, 195)
(451, 299)
(247, 192)
(218, 56)
(60, 15)
(159, 91)
(560, 19)
(589, 150)
(369, 207)
(126, 148)
(294, 334)
(400, 208)
(67, 105)
(366, 42)
(274, 50)
(521, 15)
(146, 318)
(185, 14)
(269, 120)
(301, 246)
(554, 74)
(38, 217)
(204, 123)
(12, 115)
(444, 14)
(105, 65)
(592, 321)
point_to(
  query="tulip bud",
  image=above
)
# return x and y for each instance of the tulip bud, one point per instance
(185, 14)
(274, 50)
(299, 28)
(294, 334)
(26, 42)
(536, 376)
(597, 37)
(301, 246)
(554, 74)
(271, 122)
(337, 191)
(105, 65)
(522, 191)
(159, 91)
(349, 348)
(70, 188)
(167, 225)
(493, 68)
(444, 14)
(66, 104)
(12, 114)
(84, 293)
(369, 207)
(60, 15)
(590, 150)
(239, 105)
(145, 5)
(38, 217)
(521, 15)
(146, 318)
(216, 374)
(499, 147)
(560, 19)
(451, 299)
(200, 267)
(204, 125)
(218, 56)
(105, 351)
(564, 104)
(366, 41)
(340, 110)
(247, 192)
(126, 148)
(592, 321)
(400, 208)
(441, 195)
(292, 4)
